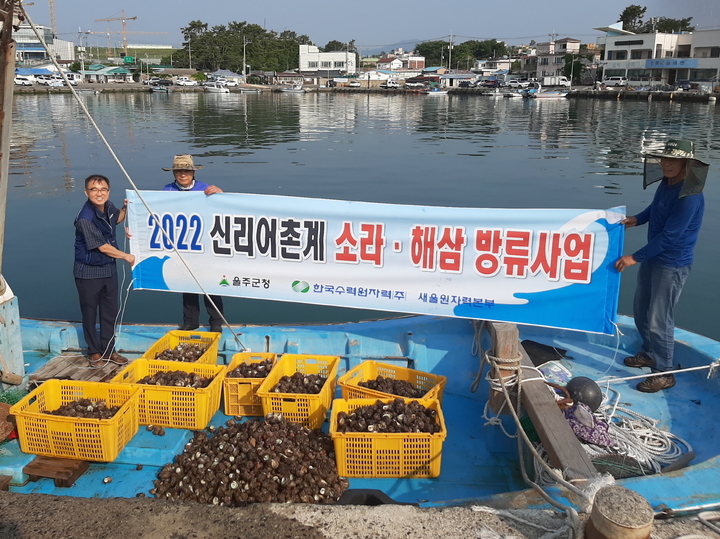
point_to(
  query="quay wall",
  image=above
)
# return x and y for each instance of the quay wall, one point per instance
(584, 93)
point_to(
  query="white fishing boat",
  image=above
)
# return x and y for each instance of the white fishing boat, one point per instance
(216, 88)
(535, 91)
(250, 90)
(436, 92)
(296, 88)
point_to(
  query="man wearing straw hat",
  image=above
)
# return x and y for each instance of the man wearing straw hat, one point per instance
(674, 218)
(183, 168)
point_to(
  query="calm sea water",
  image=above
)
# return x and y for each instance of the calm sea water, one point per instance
(451, 151)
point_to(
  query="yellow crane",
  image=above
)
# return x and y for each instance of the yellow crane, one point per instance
(123, 18)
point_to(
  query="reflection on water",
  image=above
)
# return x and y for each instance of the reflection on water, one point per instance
(451, 151)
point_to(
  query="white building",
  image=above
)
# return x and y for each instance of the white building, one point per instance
(30, 50)
(551, 56)
(314, 61)
(656, 59)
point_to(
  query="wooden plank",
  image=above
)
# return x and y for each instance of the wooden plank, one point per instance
(63, 471)
(562, 446)
(558, 439)
(5, 482)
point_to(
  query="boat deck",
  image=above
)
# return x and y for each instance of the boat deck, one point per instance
(478, 460)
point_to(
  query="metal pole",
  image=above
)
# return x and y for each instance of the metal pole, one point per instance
(7, 75)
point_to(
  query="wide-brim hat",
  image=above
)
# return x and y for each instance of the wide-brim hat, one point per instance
(676, 149)
(696, 170)
(183, 162)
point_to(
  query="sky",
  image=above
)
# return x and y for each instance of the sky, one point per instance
(373, 24)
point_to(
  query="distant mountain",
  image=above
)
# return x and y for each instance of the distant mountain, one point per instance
(407, 45)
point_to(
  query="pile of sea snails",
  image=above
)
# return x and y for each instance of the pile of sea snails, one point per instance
(254, 462)
(392, 386)
(176, 379)
(185, 351)
(86, 408)
(309, 384)
(252, 370)
(394, 416)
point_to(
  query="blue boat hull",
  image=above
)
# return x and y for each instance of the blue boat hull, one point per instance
(479, 463)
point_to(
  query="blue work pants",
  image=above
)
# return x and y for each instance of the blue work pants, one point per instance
(658, 290)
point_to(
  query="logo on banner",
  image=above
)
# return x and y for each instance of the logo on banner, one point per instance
(224, 281)
(301, 287)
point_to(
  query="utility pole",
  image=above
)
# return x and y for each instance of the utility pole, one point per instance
(245, 44)
(450, 47)
(190, 51)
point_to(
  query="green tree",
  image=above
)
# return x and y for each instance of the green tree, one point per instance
(334, 46)
(631, 17)
(668, 26)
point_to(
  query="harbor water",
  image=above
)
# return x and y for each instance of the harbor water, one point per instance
(452, 151)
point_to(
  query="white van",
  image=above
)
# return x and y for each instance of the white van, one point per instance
(615, 81)
(74, 78)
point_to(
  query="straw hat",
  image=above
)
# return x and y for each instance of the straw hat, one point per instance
(183, 162)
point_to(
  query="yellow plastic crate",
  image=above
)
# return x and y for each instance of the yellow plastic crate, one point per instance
(73, 437)
(171, 339)
(434, 385)
(371, 454)
(308, 410)
(240, 394)
(174, 407)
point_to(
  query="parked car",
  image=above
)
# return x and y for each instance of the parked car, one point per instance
(390, 84)
(354, 84)
(518, 83)
(151, 80)
(43, 79)
(186, 81)
(231, 83)
(466, 84)
(162, 82)
(490, 83)
(414, 84)
(615, 81)
(22, 81)
(684, 85)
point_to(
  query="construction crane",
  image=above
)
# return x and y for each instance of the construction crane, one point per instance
(108, 32)
(53, 22)
(124, 27)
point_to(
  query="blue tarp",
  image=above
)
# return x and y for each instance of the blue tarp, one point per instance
(32, 71)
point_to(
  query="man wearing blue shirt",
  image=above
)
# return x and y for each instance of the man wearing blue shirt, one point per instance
(184, 171)
(95, 271)
(674, 218)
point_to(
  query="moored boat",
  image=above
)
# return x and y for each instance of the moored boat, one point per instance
(216, 88)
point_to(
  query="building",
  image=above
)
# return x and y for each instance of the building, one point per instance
(330, 63)
(492, 67)
(389, 63)
(660, 59)
(409, 60)
(551, 56)
(29, 50)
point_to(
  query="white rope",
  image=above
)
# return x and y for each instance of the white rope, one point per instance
(127, 176)
(713, 367)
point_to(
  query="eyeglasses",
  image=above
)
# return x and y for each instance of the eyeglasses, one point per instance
(102, 190)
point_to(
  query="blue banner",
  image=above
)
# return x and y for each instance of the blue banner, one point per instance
(530, 266)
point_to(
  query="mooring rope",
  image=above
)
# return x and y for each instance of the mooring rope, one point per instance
(127, 176)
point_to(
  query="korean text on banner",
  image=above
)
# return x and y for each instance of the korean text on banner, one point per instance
(530, 266)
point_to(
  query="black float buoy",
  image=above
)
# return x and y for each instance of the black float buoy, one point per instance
(585, 390)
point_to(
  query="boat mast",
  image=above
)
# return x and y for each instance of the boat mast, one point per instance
(7, 76)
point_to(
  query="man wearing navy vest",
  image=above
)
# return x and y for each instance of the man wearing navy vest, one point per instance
(674, 218)
(95, 269)
(183, 170)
